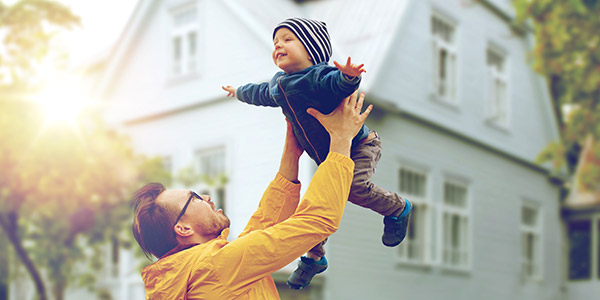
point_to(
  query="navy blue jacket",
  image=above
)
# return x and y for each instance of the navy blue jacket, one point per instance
(320, 86)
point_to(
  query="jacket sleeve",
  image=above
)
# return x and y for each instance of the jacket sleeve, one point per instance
(256, 94)
(261, 252)
(331, 79)
(278, 203)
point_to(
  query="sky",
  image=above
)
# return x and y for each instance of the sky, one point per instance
(102, 24)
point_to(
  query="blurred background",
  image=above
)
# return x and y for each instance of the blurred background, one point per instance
(487, 110)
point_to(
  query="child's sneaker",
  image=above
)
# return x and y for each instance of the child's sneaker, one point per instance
(394, 229)
(307, 269)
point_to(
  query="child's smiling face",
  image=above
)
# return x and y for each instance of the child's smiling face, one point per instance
(289, 53)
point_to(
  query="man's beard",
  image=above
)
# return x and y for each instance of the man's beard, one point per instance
(215, 226)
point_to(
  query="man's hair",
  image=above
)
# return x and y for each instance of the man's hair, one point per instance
(152, 222)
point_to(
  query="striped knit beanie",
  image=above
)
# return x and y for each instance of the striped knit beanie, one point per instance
(312, 34)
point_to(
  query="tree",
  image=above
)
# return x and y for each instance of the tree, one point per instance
(567, 52)
(30, 27)
(64, 188)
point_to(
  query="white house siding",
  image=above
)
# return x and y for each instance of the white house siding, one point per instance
(252, 138)
(407, 80)
(362, 268)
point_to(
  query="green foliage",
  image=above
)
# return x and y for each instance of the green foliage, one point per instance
(30, 26)
(64, 190)
(567, 50)
(73, 185)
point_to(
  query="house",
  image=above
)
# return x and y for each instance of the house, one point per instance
(461, 114)
(581, 212)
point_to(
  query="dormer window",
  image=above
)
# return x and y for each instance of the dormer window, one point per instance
(444, 58)
(184, 41)
(497, 99)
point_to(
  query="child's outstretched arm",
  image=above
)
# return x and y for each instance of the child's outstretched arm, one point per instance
(351, 70)
(230, 90)
(255, 94)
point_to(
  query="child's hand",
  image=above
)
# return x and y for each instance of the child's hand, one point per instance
(229, 89)
(350, 70)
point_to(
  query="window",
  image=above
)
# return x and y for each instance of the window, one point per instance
(444, 58)
(598, 247)
(580, 249)
(413, 186)
(184, 41)
(455, 249)
(497, 101)
(531, 244)
(211, 166)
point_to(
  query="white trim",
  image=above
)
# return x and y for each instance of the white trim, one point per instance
(451, 92)
(424, 210)
(494, 74)
(212, 190)
(466, 219)
(538, 234)
(189, 63)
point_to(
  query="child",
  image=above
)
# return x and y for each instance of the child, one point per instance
(302, 51)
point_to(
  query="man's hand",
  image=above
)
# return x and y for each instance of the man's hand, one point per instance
(229, 89)
(344, 122)
(350, 69)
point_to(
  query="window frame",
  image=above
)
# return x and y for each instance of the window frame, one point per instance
(538, 231)
(451, 47)
(217, 191)
(188, 65)
(465, 213)
(594, 275)
(497, 108)
(419, 203)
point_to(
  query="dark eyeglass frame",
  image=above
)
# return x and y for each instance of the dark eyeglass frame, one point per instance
(192, 196)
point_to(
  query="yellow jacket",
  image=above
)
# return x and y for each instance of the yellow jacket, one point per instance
(278, 232)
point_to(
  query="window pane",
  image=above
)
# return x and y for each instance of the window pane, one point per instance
(529, 216)
(455, 231)
(212, 162)
(177, 48)
(442, 29)
(192, 43)
(176, 55)
(455, 195)
(185, 17)
(412, 248)
(495, 59)
(579, 249)
(412, 183)
(192, 48)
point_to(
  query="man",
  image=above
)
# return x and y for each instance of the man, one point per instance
(189, 236)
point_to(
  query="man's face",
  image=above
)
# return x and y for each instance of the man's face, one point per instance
(200, 214)
(289, 53)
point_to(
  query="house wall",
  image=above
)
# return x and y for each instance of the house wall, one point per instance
(409, 76)
(362, 268)
(498, 185)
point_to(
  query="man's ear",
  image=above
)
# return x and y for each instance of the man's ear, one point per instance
(183, 230)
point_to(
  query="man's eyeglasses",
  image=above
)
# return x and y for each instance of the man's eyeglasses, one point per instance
(192, 196)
